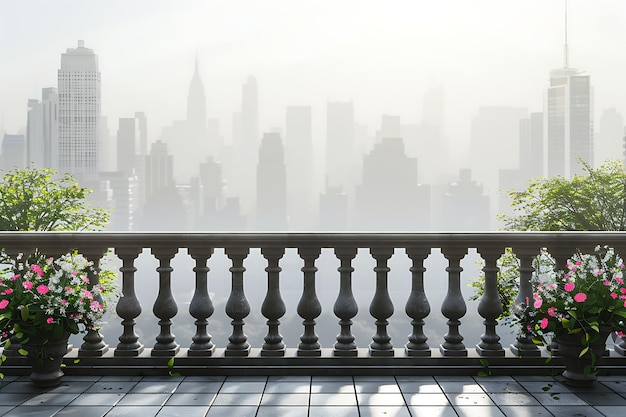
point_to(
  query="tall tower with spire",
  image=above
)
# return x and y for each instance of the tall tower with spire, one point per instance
(196, 105)
(568, 118)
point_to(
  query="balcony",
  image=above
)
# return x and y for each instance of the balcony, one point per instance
(387, 311)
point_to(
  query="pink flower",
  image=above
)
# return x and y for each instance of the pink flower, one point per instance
(598, 272)
(544, 323)
(64, 302)
(4, 304)
(619, 280)
(42, 289)
(85, 279)
(579, 263)
(74, 273)
(622, 290)
(607, 283)
(9, 291)
(37, 270)
(569, 286)
(580, 297)
(49, 320)
(28, 285)
(95, 306)
(552, 311)
(14, 277)
(538, 303)
(613, 295)
(87, 294)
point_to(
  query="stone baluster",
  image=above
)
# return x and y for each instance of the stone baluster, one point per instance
(128, 306)
(237, 306)
(417, 306)
(490, 306)
(345, 307)
(201, 306)
(524, 346)
(165, 305)
(453, 306)
(381, 307)
(309, 307)
(273, 307)
(93, 341)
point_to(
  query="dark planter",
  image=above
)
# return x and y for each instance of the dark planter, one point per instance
(580, 371)
(45, 354)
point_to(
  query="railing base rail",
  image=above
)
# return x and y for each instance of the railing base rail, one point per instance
(327, 363)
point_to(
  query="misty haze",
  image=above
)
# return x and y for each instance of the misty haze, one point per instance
(319, 116)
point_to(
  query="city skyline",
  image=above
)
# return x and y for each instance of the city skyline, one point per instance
(384, 59)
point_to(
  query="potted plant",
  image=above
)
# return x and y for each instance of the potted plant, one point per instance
(577, 308)
(43, 301)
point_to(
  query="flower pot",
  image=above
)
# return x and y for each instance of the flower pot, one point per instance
(580, 371)
(45, 355)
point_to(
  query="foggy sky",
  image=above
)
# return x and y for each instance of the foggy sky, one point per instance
(384, 56)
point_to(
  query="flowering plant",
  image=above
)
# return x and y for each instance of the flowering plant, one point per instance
(50, 295)
(588, 295)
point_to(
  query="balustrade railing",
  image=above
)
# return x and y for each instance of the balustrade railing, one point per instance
(128, 352)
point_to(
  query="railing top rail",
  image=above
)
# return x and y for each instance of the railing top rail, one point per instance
(521, 240)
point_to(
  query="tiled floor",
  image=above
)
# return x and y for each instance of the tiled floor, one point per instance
(317, 396)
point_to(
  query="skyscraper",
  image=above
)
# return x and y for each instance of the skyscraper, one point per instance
(79, 112)
(568, 119)
(271, 183)
(42, 134)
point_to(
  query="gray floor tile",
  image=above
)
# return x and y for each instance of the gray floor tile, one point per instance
(375, 379)
(22, 387)
(25, 411)
(247, 399)
(366, 399)
(611, 410)
(333, 411)
(81, 378)
(198, 386)
(617, 386)
(545, 386)
(454, 387)
(235, 387)
(421, 388)
(416, 378)
(479, 411)
(183, 411)
(134, 411)
(574, 411)
(471, 399)
(231, 411)
(333, 387)
(513, 398)
(13, 398)
(5, 409)
(72, 387)
(285, 399)
(426, 399)
(196, 399)
(455, 378)
(332, 378)
(388, 411)
(50, 398)
(432, 411)
(82, 411)
(97, 399)
(155, 387)
(526, 411)
(119, 378)
(602, 398)
(204, 378)
(112, 386)
(282, 411)
(377, 387)
(333, 399)
(556, 399)
(246, 378)
(501, 386)
(143, 399)
(288, 387)
(289, 378)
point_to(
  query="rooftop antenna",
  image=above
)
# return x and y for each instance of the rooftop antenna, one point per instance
(566, 48)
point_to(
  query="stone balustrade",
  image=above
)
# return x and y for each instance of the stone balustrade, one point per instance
(127, 353)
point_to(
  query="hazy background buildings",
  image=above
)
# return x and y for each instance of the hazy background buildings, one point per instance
(324, 116)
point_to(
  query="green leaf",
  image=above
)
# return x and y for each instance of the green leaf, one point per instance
(170, 363)
(582, 352)
(22, 352)
(24, 312)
